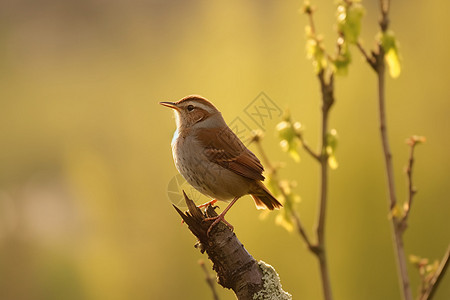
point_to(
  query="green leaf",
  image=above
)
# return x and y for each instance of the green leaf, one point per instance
(432, 268)
(332, 162)
(293, 151)
(315, 50)
(332, 142)
(393, 62)
(414, 259)
(343, 60)
(284, 217)
(291, 147)
(391, 50)
(396, 212)
(287, 132)
(349, 16)
(272, 185)
(284, 220)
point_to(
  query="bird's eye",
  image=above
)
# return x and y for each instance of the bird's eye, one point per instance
(190, 107)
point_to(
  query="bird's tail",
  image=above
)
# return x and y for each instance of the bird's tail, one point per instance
(264, 199)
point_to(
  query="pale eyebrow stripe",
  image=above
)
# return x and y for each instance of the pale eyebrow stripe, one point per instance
(202, 106)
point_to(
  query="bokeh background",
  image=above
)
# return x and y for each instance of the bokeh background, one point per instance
(85, 157)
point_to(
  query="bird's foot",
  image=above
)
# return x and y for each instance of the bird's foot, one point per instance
(217, 220)
(212, 202)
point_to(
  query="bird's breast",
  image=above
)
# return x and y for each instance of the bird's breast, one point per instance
(207, 177)
(175, 137)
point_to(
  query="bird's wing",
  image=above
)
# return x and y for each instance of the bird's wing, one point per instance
(224, 148)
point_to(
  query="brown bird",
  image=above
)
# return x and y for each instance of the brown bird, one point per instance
(213, 159)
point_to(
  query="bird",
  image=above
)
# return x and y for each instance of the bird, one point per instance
(209, 155)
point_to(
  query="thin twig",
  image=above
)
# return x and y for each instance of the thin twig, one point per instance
(307, 148)
(311, 21)
(383, 129)
(396, 228)
(384, 22)
(302, 231)
(327, 101)
(264, 158)
(429, 293)
(411, 189)
(396, 224)
(209, 280)
(327, 91)
(370, 60)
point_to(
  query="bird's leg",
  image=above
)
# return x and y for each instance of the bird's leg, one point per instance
(212, 202)
(221, 217)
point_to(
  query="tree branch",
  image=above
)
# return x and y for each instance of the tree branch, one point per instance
(302, 231)
(412, 142)
(384, 21)
(377, 62)
(307, 148)
(236, 269)
(392, 199)
(327, 101)
(370, 60)
(429, 292)
(381, 72)
(327, 92)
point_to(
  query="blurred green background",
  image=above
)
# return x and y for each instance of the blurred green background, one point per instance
(85, 157)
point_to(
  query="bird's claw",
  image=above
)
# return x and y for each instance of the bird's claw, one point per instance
(212, 202)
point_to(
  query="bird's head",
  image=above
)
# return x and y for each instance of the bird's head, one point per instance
(195, 112)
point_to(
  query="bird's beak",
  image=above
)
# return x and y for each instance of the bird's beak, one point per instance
(169, 104)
